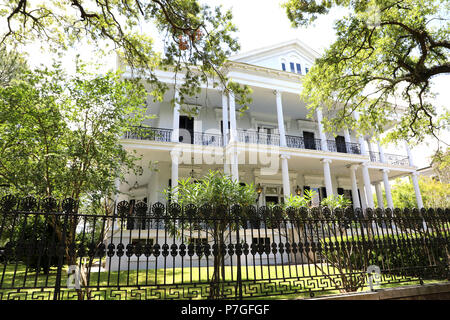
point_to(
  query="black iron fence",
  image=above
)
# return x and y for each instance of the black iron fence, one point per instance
(49, 251)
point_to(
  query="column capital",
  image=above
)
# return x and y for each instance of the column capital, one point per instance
(276, 92)
(285, 156)
(365, 164)
(175, 153)
(415, 173)
(385, 170)
(326, 160)
(353, 167)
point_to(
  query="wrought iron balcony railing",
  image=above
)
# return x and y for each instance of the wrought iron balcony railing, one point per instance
(374, 156)
(397, 160)
(153, 134)
(207, 139)
(394, 159)
(245, 136)
(248, 136)
(165, 135)
(302, 143)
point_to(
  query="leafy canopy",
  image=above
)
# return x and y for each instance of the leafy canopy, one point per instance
(435, 194)
(197, 38)
(382, 64)
(60, 135)
(215, 189)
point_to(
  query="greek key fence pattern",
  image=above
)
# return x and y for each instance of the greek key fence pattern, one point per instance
(49, 250)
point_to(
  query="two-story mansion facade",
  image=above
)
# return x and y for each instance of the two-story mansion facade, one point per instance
(272, 145)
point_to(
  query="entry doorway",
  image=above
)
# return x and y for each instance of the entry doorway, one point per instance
(309, 140)
(186, 130)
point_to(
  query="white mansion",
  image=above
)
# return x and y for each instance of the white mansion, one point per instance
(272, 145)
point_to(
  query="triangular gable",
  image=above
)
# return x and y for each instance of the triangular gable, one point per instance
(272, 54)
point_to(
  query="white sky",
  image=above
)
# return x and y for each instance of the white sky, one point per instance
(262, 23)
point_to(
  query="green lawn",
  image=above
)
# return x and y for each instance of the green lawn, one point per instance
(295, 281)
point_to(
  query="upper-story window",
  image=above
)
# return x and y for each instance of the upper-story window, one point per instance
(292, 66)
(299, 68)
(306, 70)
(283, 66)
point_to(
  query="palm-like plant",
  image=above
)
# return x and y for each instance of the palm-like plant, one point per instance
(220, 192)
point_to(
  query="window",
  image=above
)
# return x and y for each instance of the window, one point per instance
(283, 66)
(292, 66)
(299, 68)
(306, 70)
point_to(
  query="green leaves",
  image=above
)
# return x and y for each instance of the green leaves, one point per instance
(197, 39)
(60, 135)
(335, 201)
(215, 189)
(300, 201)
(381, 65)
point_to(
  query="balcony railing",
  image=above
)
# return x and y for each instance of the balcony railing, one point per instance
(245, 136)
(302, 143)
(394, 159)
(397, 160)
(344, 147)
(207, 139)
(165, 135)
(271, 139)
(145, 133)
(374, 156)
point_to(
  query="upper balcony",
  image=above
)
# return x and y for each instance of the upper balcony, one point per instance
(260, 138)
(243, 136)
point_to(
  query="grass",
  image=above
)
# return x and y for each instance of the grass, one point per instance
(274, 282)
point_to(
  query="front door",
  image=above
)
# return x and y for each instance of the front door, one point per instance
(186, 129)
(340, 144)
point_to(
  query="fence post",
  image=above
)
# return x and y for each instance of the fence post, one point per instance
(238, 256)
(60, 252)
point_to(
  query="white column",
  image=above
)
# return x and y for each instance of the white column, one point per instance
(175, 155)
(369, 145)
(280, 117)
(323, 137)
(233, 128)
(381, 151)
(387, 189)
(327, 176)
(176, 118)
(347, 136)
(355, 196)
(360, 137)
(367, 185)
(379, 195)
(415, 182)
(226, 165)
(225, 118)
(362, 192)
(285, 176)
(234, 165)
(408, 152)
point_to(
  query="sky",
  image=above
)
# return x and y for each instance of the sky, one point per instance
(262, 23)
